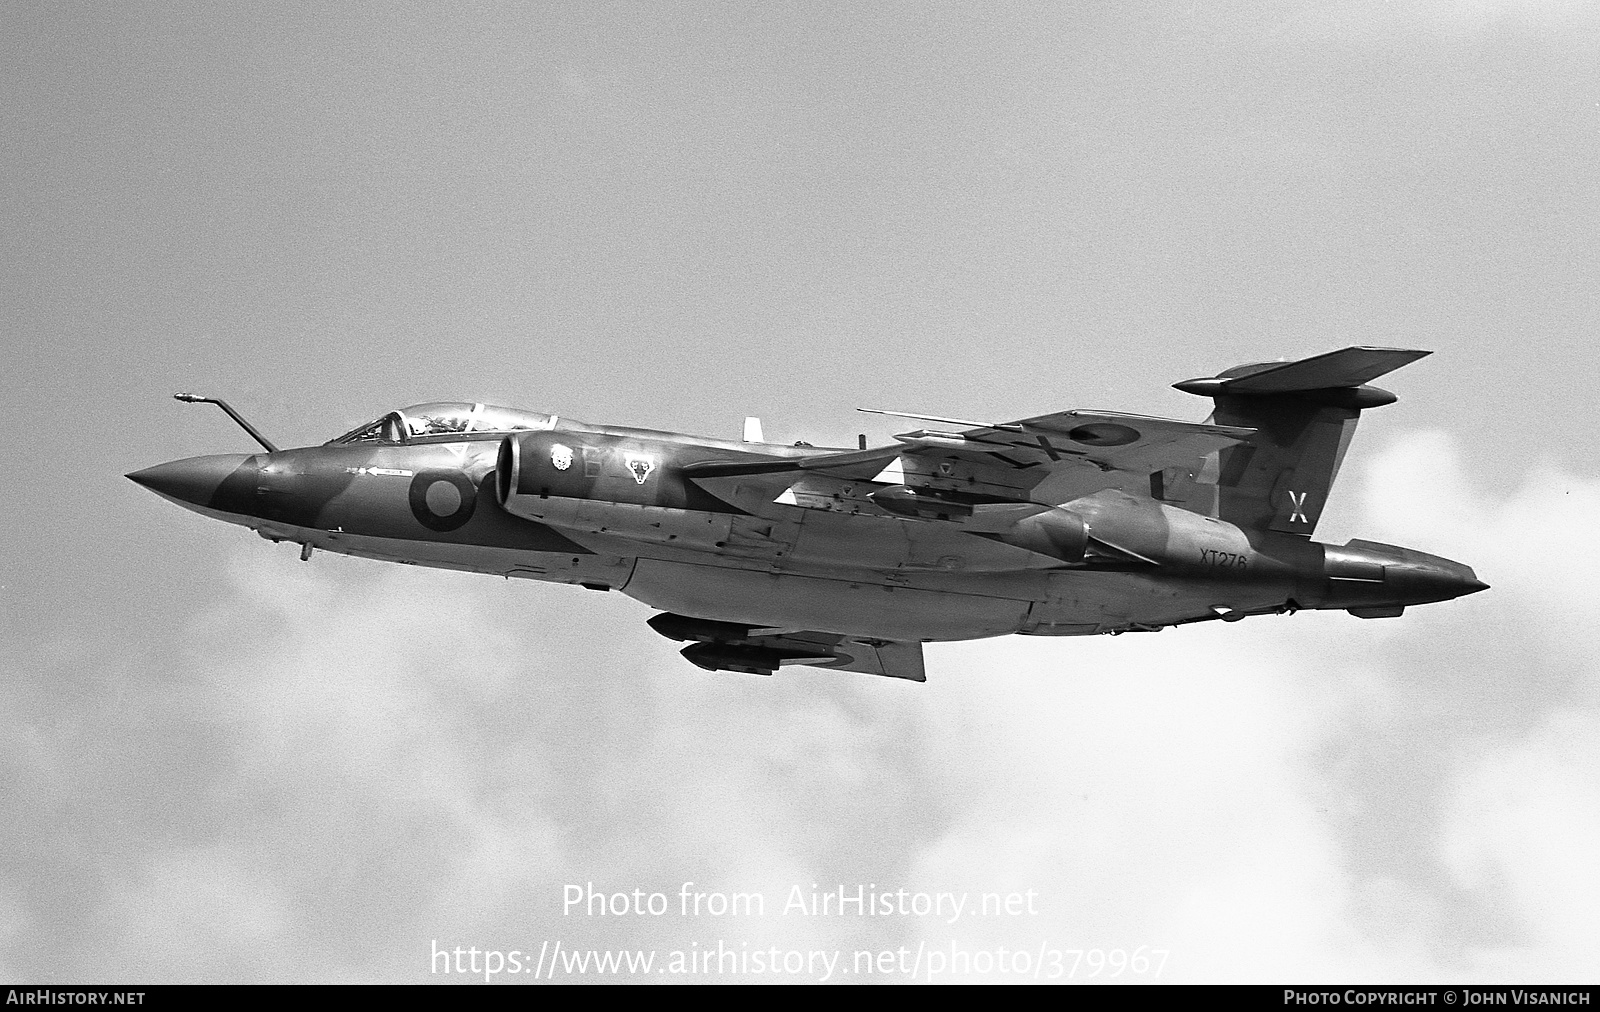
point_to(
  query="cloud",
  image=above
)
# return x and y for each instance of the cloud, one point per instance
(1523, 805)
(348, 763)
(1161, 795)
(1524, 827)
(1314, 798)
(373, 758)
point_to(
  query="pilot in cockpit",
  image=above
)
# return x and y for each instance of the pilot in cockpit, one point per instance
(443, 419)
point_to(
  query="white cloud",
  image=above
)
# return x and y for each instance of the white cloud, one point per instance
(1214, 791)
(1525, 828)
(355, 761)
(196, 913)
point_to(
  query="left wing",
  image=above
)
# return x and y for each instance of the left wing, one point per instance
(1060, 456)
(1048, 459)
(730, 646)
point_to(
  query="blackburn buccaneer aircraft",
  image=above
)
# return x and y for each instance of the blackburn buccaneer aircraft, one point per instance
(761, 555)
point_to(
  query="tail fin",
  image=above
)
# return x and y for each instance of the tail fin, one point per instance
(1304, 414)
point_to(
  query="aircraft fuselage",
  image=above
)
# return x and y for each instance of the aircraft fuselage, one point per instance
(647, 514)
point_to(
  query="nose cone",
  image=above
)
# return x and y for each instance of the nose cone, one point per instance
(193, 481)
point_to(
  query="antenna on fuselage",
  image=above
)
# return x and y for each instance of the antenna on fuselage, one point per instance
(752, 430)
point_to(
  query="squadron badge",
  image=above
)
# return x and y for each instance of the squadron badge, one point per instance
(641, 466)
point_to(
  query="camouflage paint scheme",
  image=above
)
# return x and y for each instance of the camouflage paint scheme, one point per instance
(759, 555)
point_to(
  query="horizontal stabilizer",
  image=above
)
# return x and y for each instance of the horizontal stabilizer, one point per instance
(1347, 367)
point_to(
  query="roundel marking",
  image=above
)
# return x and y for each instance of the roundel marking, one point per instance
(442, 500)
(1103, 434)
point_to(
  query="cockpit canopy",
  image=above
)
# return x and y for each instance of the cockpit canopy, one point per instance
(444, 418)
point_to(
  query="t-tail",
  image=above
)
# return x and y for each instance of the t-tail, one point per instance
(1304, 414)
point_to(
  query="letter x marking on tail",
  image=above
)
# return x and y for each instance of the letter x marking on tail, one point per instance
(1297, 511)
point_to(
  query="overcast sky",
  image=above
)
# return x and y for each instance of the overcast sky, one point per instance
(220, 764)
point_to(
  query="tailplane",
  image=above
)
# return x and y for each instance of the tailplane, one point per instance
(1304, 414)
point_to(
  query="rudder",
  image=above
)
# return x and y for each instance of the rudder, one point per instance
(1304, 414)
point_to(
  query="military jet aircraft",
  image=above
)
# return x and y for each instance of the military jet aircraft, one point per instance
(760, 555)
